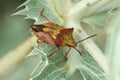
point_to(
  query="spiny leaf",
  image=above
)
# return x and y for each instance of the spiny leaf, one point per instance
(55, 63)
(34, 7)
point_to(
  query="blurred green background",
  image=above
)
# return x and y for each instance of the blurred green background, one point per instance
(13, 29)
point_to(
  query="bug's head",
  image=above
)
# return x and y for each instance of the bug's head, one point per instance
(37, 28)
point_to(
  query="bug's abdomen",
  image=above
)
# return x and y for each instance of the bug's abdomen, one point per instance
(45, 37)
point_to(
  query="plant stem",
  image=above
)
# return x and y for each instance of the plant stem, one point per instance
(90, 46)
(15, 56)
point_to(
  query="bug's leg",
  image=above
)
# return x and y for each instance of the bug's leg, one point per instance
(54, 52)
(38, 41)
(41, 14)
(66, 53)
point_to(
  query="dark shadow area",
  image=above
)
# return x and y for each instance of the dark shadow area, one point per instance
(13, 29)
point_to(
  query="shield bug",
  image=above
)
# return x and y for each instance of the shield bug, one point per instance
(55, 35)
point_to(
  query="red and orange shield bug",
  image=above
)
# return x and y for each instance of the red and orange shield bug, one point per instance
(55, 35)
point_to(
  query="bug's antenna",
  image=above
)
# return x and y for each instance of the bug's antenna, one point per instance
(41, 14)
(87, 38)
(78, 51)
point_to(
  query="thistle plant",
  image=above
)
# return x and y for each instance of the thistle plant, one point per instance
(100, 59)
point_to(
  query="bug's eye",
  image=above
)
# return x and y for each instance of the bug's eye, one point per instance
(37, 28)
(34, 28)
